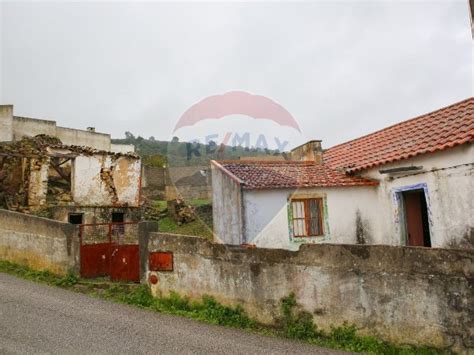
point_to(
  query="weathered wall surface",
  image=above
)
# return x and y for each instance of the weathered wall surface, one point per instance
(6, 123)
(39, 243)
(25, 126)
(122, 148)
(404, 295)
(94, 214)
(345, 210)
(38, 182)
(71, 136)
(15, 127)
(228, 220)
(105, 180)
(447, 178)
(188, 182)
(373, 215)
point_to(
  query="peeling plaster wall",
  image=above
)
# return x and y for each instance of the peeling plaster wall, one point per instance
(404, 295)
(226, 208)
(90, 189)
(267, 215)
(449, 193)
(39, 243)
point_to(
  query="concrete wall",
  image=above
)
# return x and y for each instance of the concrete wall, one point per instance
(6, 123)
(25, 126)
(106, 180)
(71, 136)
(266, 214)
(227, 202)
(403, 295)
(122, 148)
(15, 127)
(39, 243)
(447, 178)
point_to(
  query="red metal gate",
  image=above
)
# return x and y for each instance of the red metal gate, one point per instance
(110, 249)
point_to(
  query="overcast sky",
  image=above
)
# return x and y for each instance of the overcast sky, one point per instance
(342, 69)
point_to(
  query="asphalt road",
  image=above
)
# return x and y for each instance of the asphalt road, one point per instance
(36, 319)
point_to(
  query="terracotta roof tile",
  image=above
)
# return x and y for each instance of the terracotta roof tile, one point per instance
(435, 131)
(288, 174)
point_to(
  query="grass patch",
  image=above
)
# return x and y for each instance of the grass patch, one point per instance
(299, 325)
(294, 324)
(46, 277)
(201, 227)
(194, 228)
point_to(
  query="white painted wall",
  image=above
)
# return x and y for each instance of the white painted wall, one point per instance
(447, 175)
(450, 195)
(266, 215)
(88, 188)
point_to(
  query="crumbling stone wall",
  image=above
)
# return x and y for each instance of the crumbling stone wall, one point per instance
(24, 170)
(404, 295)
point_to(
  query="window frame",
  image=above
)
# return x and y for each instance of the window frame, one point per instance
(307, 216)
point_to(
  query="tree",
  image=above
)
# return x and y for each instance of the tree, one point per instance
(129, 135)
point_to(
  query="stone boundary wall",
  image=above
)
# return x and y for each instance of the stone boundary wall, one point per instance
(39, 243)
(405, 295)
(172, 182)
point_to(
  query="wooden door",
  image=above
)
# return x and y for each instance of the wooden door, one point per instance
(414, 218)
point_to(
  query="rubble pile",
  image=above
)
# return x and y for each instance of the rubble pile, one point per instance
(152, 212)
(181, 212)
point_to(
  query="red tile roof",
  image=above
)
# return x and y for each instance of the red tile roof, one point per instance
(288, 174)
(435, 131)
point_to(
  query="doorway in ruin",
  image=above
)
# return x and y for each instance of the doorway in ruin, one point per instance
(415, 210)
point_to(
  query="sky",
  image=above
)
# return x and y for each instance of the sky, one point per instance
(341, 69)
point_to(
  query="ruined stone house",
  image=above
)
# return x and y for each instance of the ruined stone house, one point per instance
(408, 184)
(71, 175)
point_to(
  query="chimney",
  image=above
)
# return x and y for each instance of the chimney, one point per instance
(310, 151)
(6, 123)
(91, 129)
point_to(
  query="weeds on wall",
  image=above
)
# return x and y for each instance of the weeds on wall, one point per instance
(293, 323)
